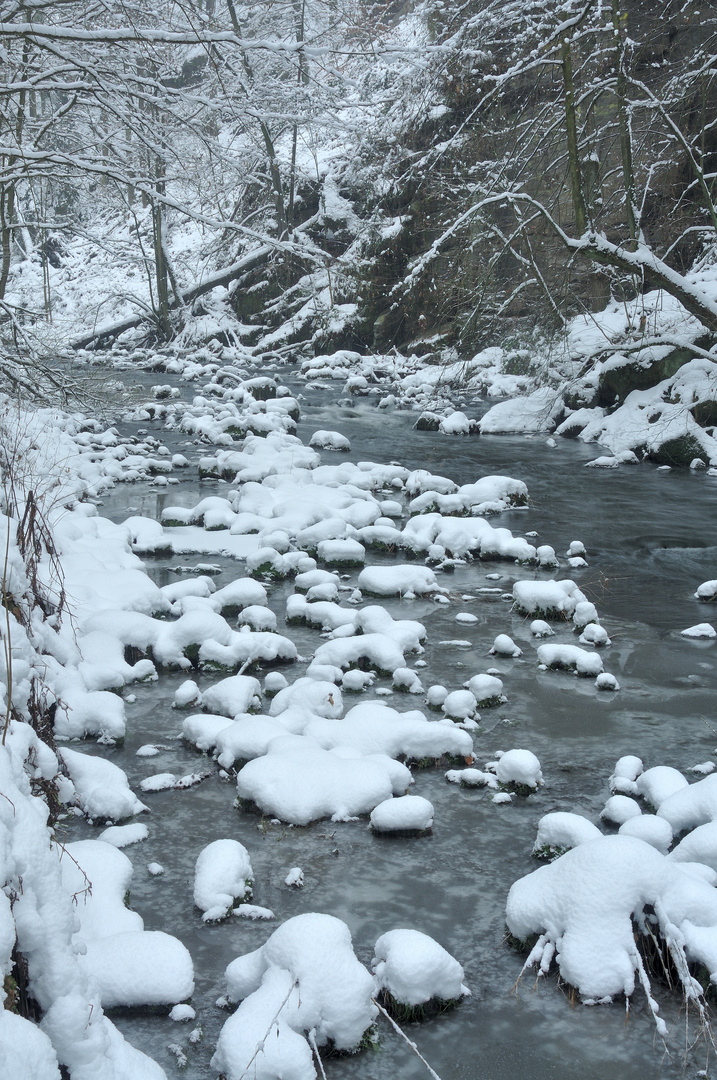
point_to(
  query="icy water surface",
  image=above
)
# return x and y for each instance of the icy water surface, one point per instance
(651, 540)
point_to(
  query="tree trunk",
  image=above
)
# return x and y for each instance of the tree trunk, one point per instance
(571, 129)
(628, 176)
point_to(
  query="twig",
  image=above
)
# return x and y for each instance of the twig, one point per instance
(405, 1037)
(260, 1044)
(312, 1043)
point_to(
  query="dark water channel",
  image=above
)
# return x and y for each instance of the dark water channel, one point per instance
(651, 539)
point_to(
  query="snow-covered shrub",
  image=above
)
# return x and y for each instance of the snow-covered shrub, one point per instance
(519, 767)
(593, 907)
(222, 876)
(304, 982)
(549, 599)
(570, 658)
(415, 973)
(560, 830)
(405, 814)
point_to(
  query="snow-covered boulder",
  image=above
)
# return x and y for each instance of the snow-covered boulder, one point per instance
(549, 599)
(375, 728)
(102, 788)
(405, 580)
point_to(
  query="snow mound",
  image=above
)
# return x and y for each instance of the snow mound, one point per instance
(571, 658)
(298, 781)
(404, 580)
(415, 969)
(304, 979)
(549, 599)
(222, 875)
(561, 830)
(701, 630)
(407, 813)
(585, 908)
(102, 788)
(375, 728)
(519, 767)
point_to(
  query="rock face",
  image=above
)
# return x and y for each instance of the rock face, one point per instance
(618, 380)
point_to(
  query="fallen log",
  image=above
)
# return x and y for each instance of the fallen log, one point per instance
(104, 333)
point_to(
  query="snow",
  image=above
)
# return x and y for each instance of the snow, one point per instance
(182, 1014)
(406, 813)
(374, 728)
(549, 598)
(305, 978)
(27, 1052)
(590, 894)
(698, 846)
(701, 630)
(121, 836)
(298, 781)
(487, 690)
(130, 965)
(594, 635)
(222, 875)
(304, 755)
(690, 805)
(146, 967)
(404, 580)
(415, 969)
(570, 657)
(231, 696)
(471, 778)
(620, 808)
(459, 704)
(653, 830)
(456, 423)
(102, 789)
(561, 830)
(329, 440)
(158, 782)
(504, 645)
(519, 767)
(343, 552)
(536, 412)
(658, 783)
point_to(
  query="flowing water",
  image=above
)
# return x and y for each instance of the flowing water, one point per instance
(651, 540)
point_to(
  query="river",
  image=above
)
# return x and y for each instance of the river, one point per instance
(650, 540)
